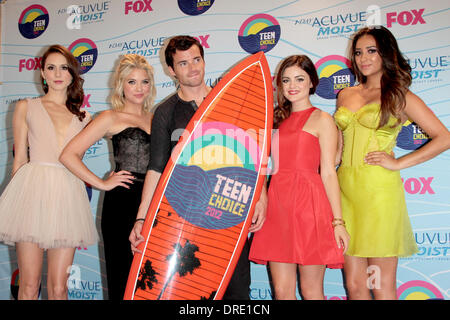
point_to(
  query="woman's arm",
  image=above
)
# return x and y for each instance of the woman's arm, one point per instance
(418, 112)
(328, 140)
(342, 96)
(339, 148)
(72, 154)
(150, 184)
(259, 216)
(20, 132)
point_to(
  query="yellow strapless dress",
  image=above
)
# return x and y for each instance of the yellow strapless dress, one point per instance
(373, 199)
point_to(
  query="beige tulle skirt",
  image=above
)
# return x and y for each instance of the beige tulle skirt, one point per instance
(47, 205)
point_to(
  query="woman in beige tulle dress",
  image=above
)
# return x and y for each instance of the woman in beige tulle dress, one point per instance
(45, 207)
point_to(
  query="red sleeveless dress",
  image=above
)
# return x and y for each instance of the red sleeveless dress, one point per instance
(298, 223)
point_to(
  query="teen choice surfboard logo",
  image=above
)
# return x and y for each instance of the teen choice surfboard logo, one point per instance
(260, 32)
(195, 7)
(85, 51)
(334, 75)
(33, 21)
(219, 167)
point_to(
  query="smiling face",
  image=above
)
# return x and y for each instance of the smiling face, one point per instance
(136, 87)
(188, 67)
(367, 57)
(296, 85)
(56, 72)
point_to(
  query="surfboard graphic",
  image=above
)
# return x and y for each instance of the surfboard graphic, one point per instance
(200, 213)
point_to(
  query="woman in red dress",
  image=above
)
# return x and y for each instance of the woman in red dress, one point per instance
(304, 226)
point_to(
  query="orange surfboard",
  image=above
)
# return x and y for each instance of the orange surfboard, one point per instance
(202, 208)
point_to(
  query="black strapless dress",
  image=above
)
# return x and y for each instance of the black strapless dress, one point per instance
(131, 148)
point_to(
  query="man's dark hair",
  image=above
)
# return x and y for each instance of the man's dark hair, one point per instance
(181, 43)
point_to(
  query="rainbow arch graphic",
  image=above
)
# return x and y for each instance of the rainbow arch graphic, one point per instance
(256, 23)
(86, 52)
(329, 65)
(331, 70)
(31, 13)
(82, 45)
(418, 290)
(27, 26)
(260, 32)
(225, 144)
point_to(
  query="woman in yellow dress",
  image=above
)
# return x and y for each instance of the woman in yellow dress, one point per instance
(370, 116)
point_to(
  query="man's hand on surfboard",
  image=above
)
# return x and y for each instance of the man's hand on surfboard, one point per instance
(135, 237)
(260, 212)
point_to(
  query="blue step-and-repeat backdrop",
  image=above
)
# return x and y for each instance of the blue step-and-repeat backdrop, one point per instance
(99, 31)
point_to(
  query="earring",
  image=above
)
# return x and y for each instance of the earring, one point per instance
(45, 82)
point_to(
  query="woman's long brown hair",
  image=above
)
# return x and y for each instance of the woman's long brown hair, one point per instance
(396, 77)
(75, 93)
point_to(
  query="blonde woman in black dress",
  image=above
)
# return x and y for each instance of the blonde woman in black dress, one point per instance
(128, 124)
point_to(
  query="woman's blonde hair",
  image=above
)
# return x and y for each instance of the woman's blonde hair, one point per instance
(127, 64)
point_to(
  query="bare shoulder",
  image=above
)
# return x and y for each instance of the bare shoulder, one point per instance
(323, 121)
(102, 121)
(413, 99)
(417, 111)
(22, 104)
(326, 129)
(21, 107)
(345, 95)
(321, 116)
(107, 115)
(326, 120)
